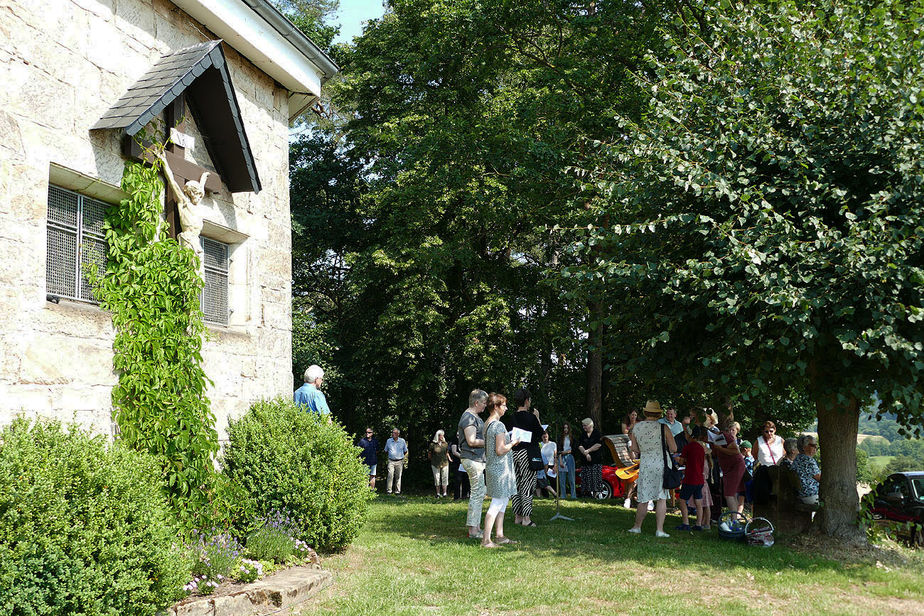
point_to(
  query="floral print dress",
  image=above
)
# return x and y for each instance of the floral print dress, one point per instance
(651, 467)
(499, 477)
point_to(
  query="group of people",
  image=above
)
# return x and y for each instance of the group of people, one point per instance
(517, 464)
(710, 456)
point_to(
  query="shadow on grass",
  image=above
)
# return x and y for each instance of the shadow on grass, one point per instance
(598, 532)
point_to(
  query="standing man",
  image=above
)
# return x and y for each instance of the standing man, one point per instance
(396, 450)
(670, 420)
(309, 396)
(369, 446)
(471, 446)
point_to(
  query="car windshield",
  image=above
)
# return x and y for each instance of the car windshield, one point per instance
(917, 483)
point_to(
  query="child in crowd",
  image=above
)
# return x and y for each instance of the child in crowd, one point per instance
(693, 457)
(748, 496)
(748, 458)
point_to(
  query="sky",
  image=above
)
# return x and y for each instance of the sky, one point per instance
(351, 15)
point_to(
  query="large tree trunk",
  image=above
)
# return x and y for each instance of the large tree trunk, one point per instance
(595, 367)
(837, 440)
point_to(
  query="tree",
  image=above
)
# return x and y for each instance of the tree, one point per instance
(434, 271)
(765, 215)
(311, 16)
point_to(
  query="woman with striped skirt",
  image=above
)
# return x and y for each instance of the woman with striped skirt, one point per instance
(523, 453)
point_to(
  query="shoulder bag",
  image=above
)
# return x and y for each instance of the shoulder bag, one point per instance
(672, 475)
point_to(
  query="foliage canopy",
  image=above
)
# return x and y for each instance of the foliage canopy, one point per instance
(766, 212)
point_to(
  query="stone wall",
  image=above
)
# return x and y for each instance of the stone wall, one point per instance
(62, 64)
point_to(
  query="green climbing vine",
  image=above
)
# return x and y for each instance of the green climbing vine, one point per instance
(151, 288)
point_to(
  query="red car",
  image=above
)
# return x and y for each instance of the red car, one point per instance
(613, 486)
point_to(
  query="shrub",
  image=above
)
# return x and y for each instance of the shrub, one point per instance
(290, 460)
(84, 528)
(223, 506)
(274, 540)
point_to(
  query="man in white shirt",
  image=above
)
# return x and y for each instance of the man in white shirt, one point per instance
(396, 450)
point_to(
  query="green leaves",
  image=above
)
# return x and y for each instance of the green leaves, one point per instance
(796, 132)
(151, 289)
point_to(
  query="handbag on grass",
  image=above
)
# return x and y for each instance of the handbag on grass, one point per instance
(672, 475)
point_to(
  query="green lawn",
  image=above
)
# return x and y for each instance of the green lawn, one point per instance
(412, 558)
(878, 463)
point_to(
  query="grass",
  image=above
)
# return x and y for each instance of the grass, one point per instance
(878, 463)
(412, 558)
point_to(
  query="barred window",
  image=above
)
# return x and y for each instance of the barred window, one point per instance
(76, 243)
(214, 300)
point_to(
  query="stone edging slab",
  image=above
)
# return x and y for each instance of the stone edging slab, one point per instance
(272, 595)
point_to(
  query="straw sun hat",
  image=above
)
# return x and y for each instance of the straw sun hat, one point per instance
(653, 409)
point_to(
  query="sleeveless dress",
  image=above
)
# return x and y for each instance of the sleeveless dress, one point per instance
(498, 471)
(651, 467)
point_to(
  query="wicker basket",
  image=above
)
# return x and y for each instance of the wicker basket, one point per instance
(735, 523)
(759, 531)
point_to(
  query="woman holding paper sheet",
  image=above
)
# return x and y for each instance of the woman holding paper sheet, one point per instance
(527, 458)
(500, 480)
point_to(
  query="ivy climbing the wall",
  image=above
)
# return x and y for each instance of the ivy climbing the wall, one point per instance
(152, 288)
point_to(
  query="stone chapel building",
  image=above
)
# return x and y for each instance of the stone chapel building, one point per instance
(78, 80)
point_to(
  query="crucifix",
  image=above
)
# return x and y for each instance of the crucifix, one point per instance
(182, 170)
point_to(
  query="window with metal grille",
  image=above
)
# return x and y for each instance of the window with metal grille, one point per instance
(76, 243)
(214, 300)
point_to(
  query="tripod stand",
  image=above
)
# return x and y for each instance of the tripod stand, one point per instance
(558, 515)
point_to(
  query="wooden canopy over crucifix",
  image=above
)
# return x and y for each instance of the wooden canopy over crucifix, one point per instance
(192, 81)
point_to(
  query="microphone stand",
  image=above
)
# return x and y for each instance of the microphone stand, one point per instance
(558, 515)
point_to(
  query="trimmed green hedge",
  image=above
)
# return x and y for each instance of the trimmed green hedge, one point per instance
(84, 527)
(289, 460)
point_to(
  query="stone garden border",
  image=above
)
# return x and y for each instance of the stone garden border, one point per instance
(274, 594)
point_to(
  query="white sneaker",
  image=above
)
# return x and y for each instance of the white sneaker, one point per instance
(627, 503)
(635, 531)
(662, 534)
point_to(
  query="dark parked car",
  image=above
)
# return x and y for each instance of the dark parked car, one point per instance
(900, 498)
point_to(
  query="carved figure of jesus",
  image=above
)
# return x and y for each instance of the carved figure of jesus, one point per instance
(191, 212)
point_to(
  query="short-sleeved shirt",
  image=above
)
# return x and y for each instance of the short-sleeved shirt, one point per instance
(806, 468)
(749, 464)
(438, 457)
(548, 457)
(396, 450)
(311, 398)
(596, 457)
(369, 447)
(694, 459)
(471, 453)
(676, 427)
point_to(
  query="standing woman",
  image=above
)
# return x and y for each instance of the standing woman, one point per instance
(629, 421)
(769, 446)
(592, 458)
(646, 442)
(498, 472)
(732, 464)
(438, 453)
(523, 454)
(567, 461)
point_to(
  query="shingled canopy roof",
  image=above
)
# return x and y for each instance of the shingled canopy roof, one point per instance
(201, 73)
